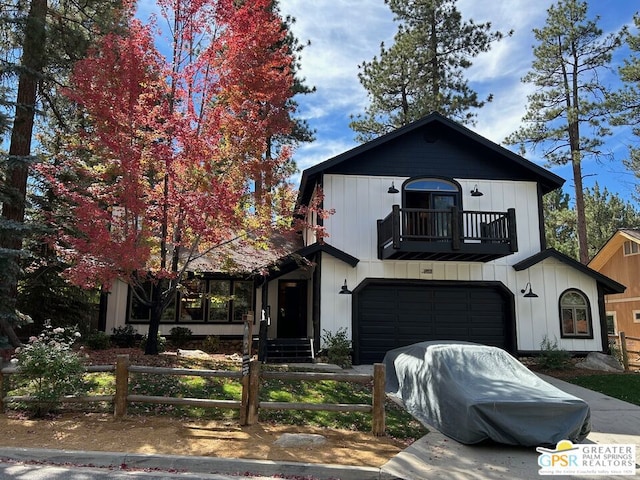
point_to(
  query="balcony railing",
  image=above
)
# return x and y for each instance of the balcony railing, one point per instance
(415, 233)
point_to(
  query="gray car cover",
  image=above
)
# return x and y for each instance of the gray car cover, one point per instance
(474, 393)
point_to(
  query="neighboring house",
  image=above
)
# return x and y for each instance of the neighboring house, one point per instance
(619, 259)
(437, 234)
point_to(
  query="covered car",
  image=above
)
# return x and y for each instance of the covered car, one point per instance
(473, 393)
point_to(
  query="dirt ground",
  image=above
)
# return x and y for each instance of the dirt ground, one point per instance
(161, 435)
(164, 435)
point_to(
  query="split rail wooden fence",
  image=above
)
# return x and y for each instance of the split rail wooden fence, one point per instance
(249, 405)
(629, 350)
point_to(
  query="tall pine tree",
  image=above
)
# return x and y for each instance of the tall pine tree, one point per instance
(565, 115)
(423, 71)
(39, 44)
(626, 102)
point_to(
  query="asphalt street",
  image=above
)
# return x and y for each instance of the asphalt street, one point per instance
(21, 471)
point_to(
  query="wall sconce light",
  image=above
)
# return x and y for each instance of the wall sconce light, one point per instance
(344, 290)
(393, 189)
(475, 192)
(528, 292)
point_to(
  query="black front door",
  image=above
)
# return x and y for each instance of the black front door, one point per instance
(292, 309)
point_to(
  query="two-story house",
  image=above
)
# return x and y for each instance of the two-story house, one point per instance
(619, 259)
(437, 234)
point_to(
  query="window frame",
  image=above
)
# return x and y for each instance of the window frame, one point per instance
(635, 314)
(205, 304)
(587, 312)
(614, 316)
(631, 247)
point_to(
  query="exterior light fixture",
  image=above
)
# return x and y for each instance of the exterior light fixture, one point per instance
(344, 290)
(528, 292)
(475, 192)
(393, 189)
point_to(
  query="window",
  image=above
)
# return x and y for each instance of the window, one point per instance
(611, 323)
(631, 248)
(200, 300)
(636, 316)
(427, 204)
(191, 304)
(139, 312)
(219, 298)
(242, 299)
(575, 315)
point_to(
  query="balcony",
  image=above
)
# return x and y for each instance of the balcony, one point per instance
(446, 235)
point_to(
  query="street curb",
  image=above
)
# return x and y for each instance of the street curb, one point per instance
(195, 464)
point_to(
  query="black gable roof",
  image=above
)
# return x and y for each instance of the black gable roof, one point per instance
(433, 145)
(608, 285)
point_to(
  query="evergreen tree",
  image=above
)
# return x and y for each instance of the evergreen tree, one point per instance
(626, 102)
(560, 223)
(39, 44)
(423, 71)
(565, 116)
(605, 213)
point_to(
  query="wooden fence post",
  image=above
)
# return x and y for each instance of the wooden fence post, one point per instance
(1, 389)
(122, 386)
(623, 349)
(378, 421)
(246, 362)
(254, 393)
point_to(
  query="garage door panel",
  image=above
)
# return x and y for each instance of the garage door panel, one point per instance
(395, 315)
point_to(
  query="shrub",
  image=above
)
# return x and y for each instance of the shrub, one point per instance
(50, 368)
(180, 336)
(551, 357)
(211, 344)
(162, 343)
(124, 336)
(338, 347)
(98, 341)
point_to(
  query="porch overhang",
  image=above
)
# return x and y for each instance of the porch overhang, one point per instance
(304, 256)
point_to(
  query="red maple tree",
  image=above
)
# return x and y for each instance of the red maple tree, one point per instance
(174, 154)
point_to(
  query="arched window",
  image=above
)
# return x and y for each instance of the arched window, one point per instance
(431, 193)
(427, 204)
(575, 315)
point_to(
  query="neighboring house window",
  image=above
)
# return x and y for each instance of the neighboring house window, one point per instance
(201, 301)
(636, 316)
(611, 323)
(631, 248)
(575, 315)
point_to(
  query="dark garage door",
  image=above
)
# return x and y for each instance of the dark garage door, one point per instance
(391, 315)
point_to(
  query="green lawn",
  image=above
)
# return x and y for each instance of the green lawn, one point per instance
(622, 386)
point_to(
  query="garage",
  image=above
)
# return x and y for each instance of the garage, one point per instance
(392, 313)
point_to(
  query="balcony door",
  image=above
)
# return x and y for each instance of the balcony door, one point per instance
(427, 204)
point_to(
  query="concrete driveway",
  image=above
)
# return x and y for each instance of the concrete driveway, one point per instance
(436, 456)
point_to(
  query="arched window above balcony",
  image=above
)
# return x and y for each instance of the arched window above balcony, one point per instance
(430, 193)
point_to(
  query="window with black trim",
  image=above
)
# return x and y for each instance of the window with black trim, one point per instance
(575, 315)
(611, 323)
(200, 301)
(427, 204)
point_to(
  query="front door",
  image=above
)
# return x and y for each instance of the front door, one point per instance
(292, 309)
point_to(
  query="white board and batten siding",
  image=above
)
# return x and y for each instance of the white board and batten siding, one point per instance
(359, 201)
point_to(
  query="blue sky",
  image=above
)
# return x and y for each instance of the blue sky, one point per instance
(344, 33)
